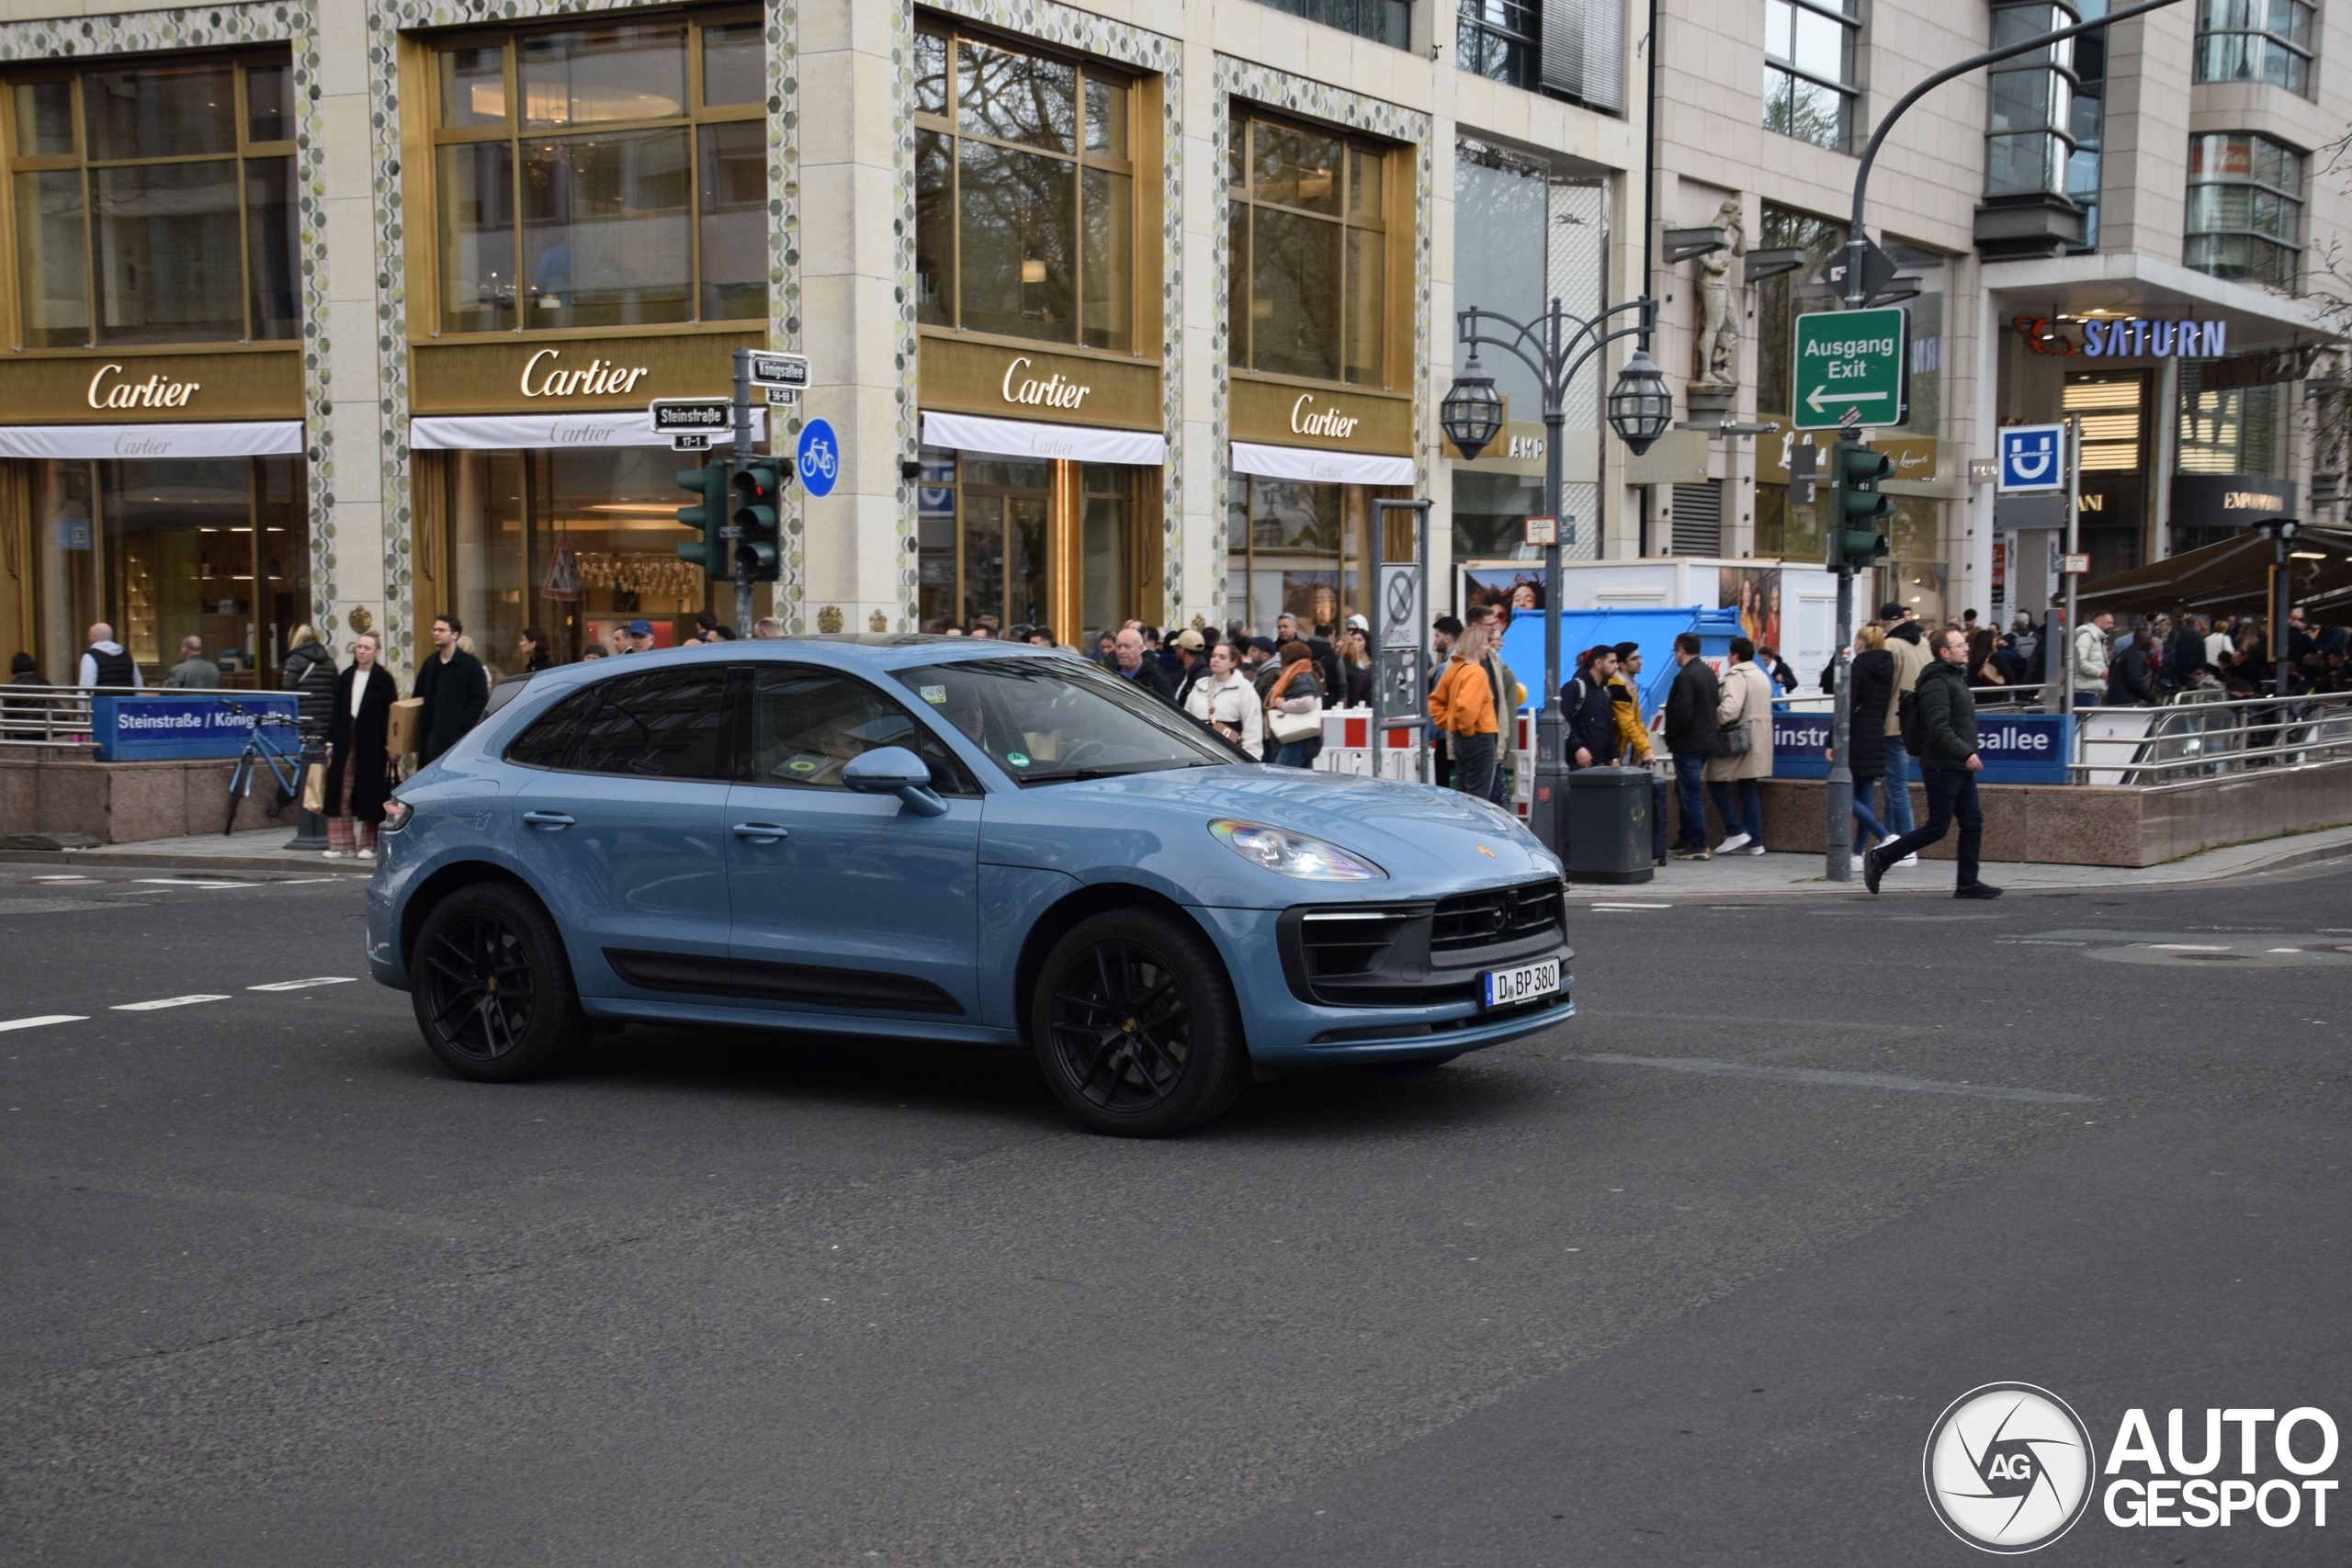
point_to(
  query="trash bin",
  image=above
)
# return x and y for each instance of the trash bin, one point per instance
(1608, 825)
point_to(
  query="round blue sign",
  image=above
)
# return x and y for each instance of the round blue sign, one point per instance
(820, 458)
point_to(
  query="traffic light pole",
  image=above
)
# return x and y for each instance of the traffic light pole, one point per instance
(1839, 866)
(742, 455)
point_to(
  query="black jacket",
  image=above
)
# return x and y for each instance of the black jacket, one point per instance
(453, 695)
(1690, 711)
(2128, 684)
(1869, 683)
(1152, 679)
(359, 743)
(1947, 718)
(1590, 715)
(309, 672)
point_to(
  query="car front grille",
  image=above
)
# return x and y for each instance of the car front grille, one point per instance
(1417, 954)
(1498, 916)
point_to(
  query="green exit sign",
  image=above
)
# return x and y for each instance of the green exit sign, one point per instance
(1853, 369)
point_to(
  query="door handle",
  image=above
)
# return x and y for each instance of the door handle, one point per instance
(761, 833)
(545, 819)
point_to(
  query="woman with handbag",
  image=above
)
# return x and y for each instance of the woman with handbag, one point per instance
(1742, 750)
(1294, 707)
(1227, 702)
(358, 764)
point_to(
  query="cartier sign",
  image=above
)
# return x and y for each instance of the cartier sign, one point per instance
(135, 387)
(1306, 418)
(1054, 391)
(960, 374)
(573, 376)
(545, 377)
(110, 389)
(1282, 414)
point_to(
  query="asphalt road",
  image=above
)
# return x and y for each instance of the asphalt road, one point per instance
(1685, 1281)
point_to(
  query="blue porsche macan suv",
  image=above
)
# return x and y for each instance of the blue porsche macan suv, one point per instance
(949, 840)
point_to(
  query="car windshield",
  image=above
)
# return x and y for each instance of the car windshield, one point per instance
(1049, 720)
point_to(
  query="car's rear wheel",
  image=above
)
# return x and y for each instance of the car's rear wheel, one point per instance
(492, 987)
(1134, 1025)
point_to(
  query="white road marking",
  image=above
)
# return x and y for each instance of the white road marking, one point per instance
(7, 1025)
(64, 879)
(2182, 946)
(166, 1002)
(297, 984)
(1847, 1080)
(187, 882)
(305, 881)
(1615, 907)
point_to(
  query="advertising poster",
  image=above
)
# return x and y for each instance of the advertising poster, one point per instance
(1755, 592)
(1511, 587)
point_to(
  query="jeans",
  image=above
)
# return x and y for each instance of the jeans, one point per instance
(1689, 792)
(1747, 814)
(1863, 817)
(1898, 785)
(1294, 754)
(1950, 792)
(1498, 792)
(1473, 765)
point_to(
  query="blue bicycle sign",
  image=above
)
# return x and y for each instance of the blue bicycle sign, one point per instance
(820, 458)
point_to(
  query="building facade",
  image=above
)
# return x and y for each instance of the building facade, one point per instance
(2133, 228)
(346, 313)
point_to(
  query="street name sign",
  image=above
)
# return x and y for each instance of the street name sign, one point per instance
(1853, 369)
(692, 416)
(780, 372)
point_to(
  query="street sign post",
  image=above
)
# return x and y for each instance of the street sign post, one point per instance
(1401, 633)
(689, 416)
(2032, 459)
(779, 372)
(818, 458)
(1853, 369)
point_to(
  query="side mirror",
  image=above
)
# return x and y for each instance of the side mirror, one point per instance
(894, 770)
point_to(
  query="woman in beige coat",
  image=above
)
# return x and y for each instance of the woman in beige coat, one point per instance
(1745, 698)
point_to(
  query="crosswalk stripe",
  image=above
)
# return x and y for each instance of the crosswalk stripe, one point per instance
(188, 882)
(297, 984)
(45, 1017)
(164, 1002)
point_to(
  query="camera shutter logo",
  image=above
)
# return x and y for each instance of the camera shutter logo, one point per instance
(2010, 1468)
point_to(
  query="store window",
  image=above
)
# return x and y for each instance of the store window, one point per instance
(1498, 40)
(1024, 194)
(2246, 209)
(1384, 22)
(2232, 430)
(2089, 123)
(161, 550)
(2030, 129)
(2256, 40)
(1298, 547)
(1308, 208)
(1810, 86)
(153, 202)
(990, 543)
(601, 174)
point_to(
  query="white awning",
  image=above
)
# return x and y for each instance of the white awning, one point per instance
(257, 438)
(1030, 438)
(1320, 467)
(499, 433)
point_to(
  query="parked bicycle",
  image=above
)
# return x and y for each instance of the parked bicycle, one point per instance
(265, 748)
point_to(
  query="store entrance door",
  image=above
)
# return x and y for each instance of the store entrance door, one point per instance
(1028, 542)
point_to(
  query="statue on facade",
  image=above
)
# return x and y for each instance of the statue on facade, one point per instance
(1715, 366)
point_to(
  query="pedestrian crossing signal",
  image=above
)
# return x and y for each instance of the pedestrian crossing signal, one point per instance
(759, 539)
(707, 517)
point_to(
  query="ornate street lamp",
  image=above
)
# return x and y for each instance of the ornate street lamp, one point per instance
(1555, 346)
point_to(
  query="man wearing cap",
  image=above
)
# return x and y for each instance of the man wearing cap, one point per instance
(1633, 736)
(640, 637)
(1193, 663)
(1910, 654)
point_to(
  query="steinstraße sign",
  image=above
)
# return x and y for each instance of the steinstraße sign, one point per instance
(152, 727)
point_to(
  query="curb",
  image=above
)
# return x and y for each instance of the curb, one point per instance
(129, 858)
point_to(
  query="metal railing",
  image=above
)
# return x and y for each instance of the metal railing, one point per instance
(58, 717)
(2205, 735)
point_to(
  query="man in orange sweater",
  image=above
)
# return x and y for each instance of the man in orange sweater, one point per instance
(1463, 706)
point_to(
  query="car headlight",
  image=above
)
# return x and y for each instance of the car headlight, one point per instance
(1287, 853)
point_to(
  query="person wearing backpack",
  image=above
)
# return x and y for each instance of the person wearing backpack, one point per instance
(1942, 728)
(1588, 713)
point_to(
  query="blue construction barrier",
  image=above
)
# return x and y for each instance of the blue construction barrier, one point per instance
(1652, 629)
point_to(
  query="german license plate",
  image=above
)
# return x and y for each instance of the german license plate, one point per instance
(1501, 987)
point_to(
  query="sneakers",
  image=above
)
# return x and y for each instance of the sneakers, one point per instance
(1977, 890)
(1904, 864)
(1736, 841)
(1872, 869)
(1750, 849)
(332, 854)
(1690, 852)
(365, 855)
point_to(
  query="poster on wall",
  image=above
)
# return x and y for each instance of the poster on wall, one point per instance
(1516, 587)
(1755, 592)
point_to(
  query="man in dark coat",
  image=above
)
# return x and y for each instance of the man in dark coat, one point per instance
(1129, 660)
(1690, 740)
(1589, 713)
(1949, 764)
(2129, 683)
(453, 687)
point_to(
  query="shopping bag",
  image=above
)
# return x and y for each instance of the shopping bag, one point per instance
(404, 729)
(314, 788)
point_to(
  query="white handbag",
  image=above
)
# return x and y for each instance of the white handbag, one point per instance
(1289, 729)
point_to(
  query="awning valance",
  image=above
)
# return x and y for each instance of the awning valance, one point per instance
(221, 438)
(1313, 467)
(504, 431)
(1038, 440)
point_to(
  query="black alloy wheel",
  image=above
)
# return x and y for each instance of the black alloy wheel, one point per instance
(492, 992)
(1134, 1025)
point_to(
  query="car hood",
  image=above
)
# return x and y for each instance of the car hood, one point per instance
(1430, 842)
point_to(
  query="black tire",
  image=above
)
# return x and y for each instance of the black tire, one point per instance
(1134, 1026)
(491, 986)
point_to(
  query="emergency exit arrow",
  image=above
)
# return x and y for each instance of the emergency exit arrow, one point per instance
(1821, 395)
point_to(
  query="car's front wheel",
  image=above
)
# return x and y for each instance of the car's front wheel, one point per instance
(1134, 1025)
(492, 989)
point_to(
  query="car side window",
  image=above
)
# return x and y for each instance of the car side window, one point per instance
(548, 739)
(807, 723)
(667, 724)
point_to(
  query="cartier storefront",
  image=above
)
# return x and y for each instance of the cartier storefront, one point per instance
(152, 471)
(1039, 378)
(597, 193)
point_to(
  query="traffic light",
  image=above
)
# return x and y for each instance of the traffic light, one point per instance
(1857, 512)
(758, 542)
(707, 517)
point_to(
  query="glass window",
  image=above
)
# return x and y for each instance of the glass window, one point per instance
(2087, 122)
(1024, 194)
(154, 204)
(806, 725)
(1497, 40)
(1809, 80)
(1050, 720)
(2257, 40)
(601, 175)
(1384, 22)
(2233, 429)
(549, 742)
(1781, 300)
(1296, 548)
(2246, 209)
(671, 724)
(1309, 253)
(2029, 125)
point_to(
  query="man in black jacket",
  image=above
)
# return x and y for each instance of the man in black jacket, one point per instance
(1949, 764)
(1690, 740)
(2129, 686)
(1589, 713)
(454, 689)
(1128, 659)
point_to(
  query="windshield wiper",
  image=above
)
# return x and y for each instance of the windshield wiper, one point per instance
(1109, 770)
